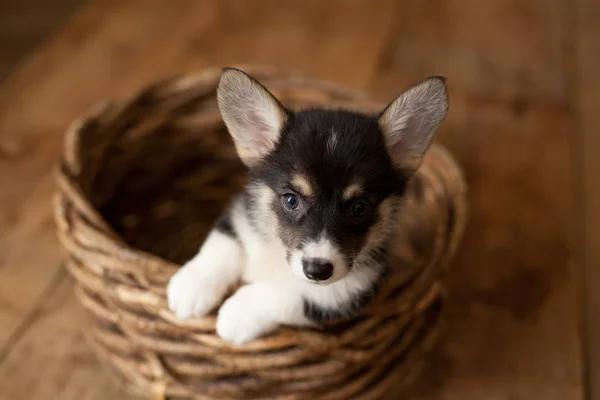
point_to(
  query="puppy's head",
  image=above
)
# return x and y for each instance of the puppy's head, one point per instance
(327, 183)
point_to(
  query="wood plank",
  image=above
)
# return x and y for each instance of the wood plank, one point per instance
(513, 329)
(585, 63)
(500, 50)
(69, 369)
(109, 49)
(25, 23)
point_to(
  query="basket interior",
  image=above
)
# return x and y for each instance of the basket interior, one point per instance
(164, 182)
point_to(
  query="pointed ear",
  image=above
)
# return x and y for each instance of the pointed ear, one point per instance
(251, 113)
(409, 122)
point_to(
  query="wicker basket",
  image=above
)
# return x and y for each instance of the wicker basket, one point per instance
(141, 182)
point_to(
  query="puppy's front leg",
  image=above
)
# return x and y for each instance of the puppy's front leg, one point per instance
(257, 309)
(203, 281)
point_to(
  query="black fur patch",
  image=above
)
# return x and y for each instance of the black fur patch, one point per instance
(380, 255)
(225, 226)
(318, 314)
(250, 205)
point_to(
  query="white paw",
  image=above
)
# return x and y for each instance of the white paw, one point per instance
(190, 294)
(240, 319)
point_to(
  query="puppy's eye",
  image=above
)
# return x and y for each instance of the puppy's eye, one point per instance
(359, 208)
(290, 201)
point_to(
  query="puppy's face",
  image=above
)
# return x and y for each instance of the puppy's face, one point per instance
(327, 183)
(330, 188)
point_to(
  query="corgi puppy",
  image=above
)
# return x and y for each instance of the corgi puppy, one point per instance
(309, 234)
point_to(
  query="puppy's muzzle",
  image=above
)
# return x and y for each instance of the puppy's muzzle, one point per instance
(317, 269)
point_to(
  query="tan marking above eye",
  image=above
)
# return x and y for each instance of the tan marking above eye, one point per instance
(351, 191)
(302, 185)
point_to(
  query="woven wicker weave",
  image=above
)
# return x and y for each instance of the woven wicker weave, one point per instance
(141, 182)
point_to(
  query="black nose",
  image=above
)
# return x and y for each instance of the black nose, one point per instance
(317, 269)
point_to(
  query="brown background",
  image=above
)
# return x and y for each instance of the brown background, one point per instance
(523, 85)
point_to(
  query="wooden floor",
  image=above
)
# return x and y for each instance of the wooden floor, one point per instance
(514, 76)
(26, 23)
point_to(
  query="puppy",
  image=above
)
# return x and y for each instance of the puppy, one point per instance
(309, 234)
